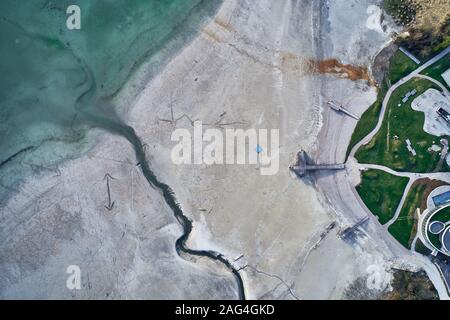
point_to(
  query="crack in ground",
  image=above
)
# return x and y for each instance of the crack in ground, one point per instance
(275, 277)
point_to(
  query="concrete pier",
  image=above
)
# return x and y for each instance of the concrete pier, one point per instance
(339, 108)
(302, 167)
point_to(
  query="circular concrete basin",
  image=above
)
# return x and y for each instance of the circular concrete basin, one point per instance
(436, 227)
(446, 239)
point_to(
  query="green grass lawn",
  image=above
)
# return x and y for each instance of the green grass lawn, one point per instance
(368, 120)
(443, 215)
(400, 66)
(436, 69)
(402, 229)
(434, 238)
(388, 147)
(421, 248)
(381, 192)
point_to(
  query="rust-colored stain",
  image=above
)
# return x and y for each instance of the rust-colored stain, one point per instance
(334, 66)
(292, 62)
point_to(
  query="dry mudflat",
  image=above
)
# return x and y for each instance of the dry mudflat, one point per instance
(250, 67)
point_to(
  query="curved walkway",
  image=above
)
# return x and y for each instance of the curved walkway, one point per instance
(444, 176)
(444, 88)
(401, 203)
(387, 97)
(433, 272)
(413, 177)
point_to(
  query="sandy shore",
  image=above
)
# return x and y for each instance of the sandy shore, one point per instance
(250, 67)
(239, 65)
(60, 219)
(251, 63)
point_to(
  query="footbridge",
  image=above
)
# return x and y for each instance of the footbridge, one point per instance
(302, 167)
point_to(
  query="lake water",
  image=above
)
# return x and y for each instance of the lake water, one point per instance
(57, 83)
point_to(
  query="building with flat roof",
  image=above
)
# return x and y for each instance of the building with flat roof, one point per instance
(434, 226)
(444, 115)
(441, 198)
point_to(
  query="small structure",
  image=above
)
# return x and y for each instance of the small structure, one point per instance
(350, 230)
(434, 148)
(339, 108)
(408, 95)
(302, 166)
(441, 198)
(410, 148)
(444, 115)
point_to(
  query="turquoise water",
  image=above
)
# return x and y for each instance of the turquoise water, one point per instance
(57, 83)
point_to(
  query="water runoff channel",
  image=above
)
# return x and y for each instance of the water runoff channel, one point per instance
(112, 123)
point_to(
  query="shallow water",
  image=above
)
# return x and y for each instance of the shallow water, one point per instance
(56, 83)
(60, 82)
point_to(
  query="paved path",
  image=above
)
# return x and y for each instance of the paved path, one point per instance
(402, 81)
(413, 243)
(401, 203)
(413, 177)
(444, 88)
(339, 190)
(444, 176)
